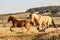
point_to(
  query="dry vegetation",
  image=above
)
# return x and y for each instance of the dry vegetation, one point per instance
(33, 34)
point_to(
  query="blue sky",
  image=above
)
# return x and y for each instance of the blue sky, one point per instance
(12, 6)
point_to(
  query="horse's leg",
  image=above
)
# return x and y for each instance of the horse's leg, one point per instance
(27, 26)
(45, 26)
(48, 24)
(34, 24)
(15, 25)
(39, 27)
(11, 28)
(27, 30)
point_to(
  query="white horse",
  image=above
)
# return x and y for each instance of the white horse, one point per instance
(41, 21)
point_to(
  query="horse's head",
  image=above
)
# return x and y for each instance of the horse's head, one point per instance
(10, 18)
(34, 18)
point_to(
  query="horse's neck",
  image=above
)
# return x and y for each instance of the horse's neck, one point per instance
(13, 20)
(37, 17)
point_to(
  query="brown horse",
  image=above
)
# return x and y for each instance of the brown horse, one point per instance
(18, 23)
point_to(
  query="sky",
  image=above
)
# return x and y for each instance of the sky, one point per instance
(15, 6)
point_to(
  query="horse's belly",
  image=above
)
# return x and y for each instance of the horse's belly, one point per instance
(20, 25)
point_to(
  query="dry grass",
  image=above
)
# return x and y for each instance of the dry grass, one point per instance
(33, 34)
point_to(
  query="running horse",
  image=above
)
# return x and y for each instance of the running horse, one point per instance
(18, 23)
(41, 22)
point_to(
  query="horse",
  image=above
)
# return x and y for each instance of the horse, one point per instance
(41, 21)
(18, 23)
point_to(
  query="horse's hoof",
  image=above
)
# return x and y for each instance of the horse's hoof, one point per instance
(37, 28)
(41, 31)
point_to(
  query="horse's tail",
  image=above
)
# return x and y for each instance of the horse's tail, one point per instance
(53, 23)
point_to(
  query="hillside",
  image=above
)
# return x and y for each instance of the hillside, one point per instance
(55, 8)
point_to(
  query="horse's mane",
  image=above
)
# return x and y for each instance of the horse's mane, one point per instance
(12, 18)
(35, 17)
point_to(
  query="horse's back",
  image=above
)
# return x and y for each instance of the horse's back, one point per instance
(24, 22)
(45, 19)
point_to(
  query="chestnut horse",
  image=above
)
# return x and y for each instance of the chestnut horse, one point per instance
(18, 23)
